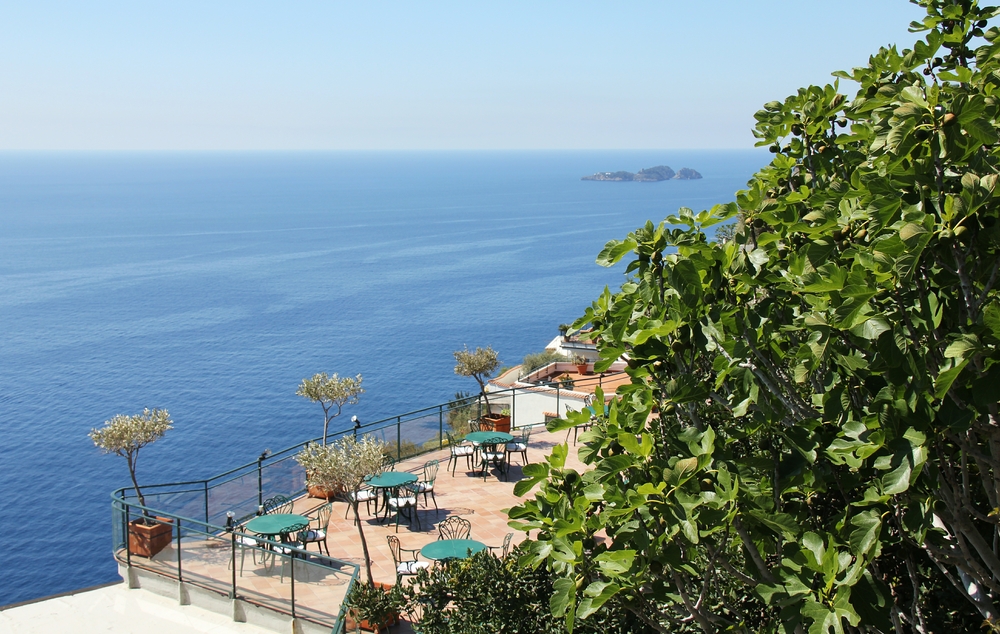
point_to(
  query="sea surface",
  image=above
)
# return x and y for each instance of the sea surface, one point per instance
(211, 284)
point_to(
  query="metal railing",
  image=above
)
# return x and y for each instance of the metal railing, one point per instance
(240, 492)
(213, 558)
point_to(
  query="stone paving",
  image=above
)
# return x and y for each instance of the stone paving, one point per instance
(319, 590)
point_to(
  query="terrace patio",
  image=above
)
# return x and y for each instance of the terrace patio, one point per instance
(320, 586)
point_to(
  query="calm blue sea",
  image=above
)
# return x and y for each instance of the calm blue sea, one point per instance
(211, 284)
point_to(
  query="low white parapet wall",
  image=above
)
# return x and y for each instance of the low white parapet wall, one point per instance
(238, 610)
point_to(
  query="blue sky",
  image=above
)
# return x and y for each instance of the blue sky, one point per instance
(436, 75)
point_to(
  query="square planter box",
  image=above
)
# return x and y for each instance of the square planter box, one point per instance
(146, 540)
(496, 423)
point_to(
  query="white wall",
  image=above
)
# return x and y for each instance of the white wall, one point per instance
(529, 405)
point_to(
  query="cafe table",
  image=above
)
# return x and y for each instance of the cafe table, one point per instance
(276, 525)
(445, 549)
(479, 437)
(388, 480)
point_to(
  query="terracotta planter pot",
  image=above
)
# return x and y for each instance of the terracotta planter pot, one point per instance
(498, 423)
(147, 540)
(323, 493)
(581, 368)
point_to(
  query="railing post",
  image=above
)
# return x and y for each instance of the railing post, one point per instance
(513, 408)
(399, 439)
(128, 536)
(232, 591)
(260, 481)
(558, 415)
(292, 565)
(180, 572)
(206, 501)
(440, 426)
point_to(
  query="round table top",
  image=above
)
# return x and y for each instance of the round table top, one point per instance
(277, 523)
(452, 549)
(486, 436)
(391, 479)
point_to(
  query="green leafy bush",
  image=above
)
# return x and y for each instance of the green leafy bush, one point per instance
(538, 360)
(485, 594)
(811, 437)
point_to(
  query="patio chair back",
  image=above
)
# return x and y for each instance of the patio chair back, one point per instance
(277, 504)
(455, 527)
(426, 484)
(474, 425)
(506, 543)
(323, 515)
(394, 547)
(430, 472)
(388, 463)
(505, 548)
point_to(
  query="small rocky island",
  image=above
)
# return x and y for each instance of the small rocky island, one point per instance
(648, 175)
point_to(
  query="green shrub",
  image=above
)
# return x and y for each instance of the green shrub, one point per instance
(486, 594)
(541, 359)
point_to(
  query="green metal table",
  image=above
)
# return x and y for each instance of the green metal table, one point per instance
(277, 524)
(391, 479)
(451, 549)
(386, 482)
(479, 437)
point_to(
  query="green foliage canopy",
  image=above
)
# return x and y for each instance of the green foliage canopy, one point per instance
(126, 435)
(331, 392)
(536, 360)
(811, 438)
(479, 364)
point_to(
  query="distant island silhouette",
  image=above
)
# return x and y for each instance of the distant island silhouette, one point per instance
(648, 175)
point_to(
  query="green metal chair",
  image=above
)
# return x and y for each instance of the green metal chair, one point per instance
(317, 535)
(455, 527)
(493, 452)
(426, 484)
(277, 504)
(519, 445)
(403, 501)
(459, 450)
(366, 495)
(288, 556)
(245, 543)
(505, 548)
(402, 558)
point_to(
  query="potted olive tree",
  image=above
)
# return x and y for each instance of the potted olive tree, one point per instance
(332, 393)
(125, 436)
(343, 466)
(478, 364)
